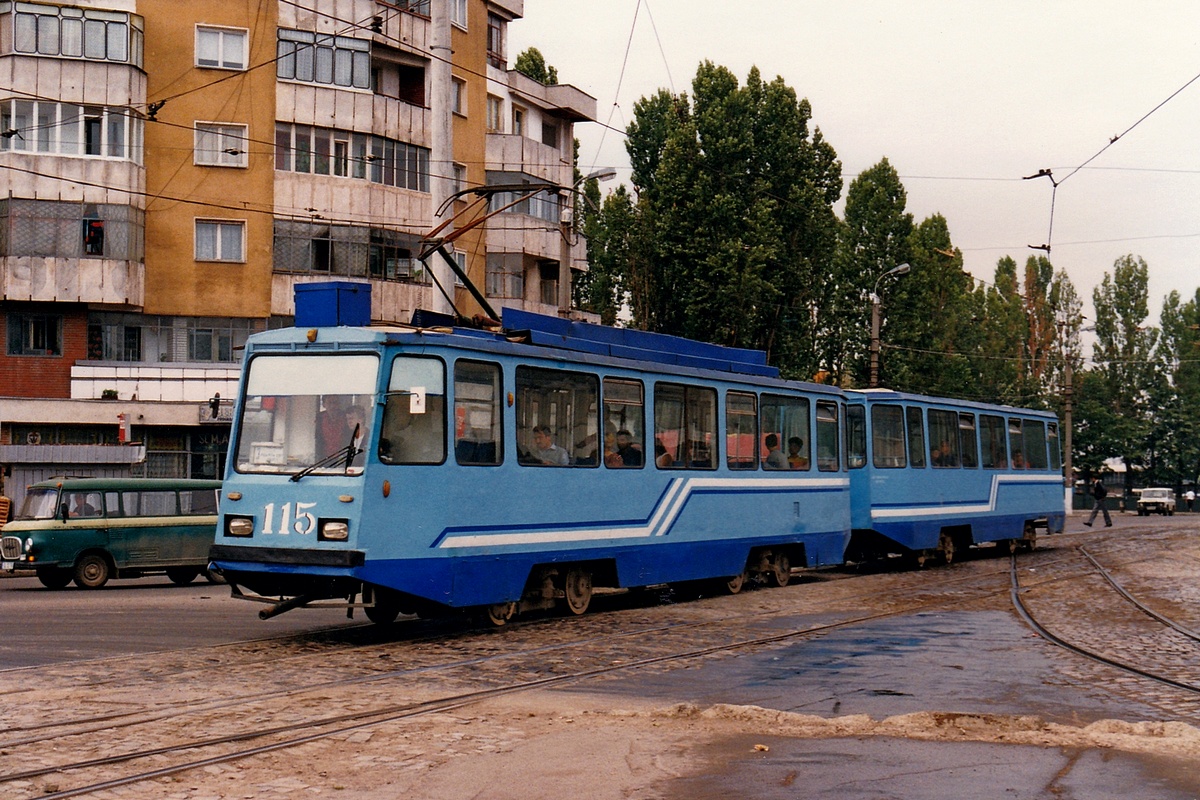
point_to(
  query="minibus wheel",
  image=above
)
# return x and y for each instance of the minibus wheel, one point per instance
(54, 577)
(182, 576)
(91, 571)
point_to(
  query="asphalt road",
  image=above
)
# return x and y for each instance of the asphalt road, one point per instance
(39, 626)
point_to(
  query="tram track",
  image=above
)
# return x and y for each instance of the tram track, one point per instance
(1115, 637)
(980, 585)
(363, 661)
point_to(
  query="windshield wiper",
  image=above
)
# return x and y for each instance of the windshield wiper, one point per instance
(348, 452)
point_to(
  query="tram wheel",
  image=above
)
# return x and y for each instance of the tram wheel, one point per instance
(500, 613)
(781, 569)
(386, 606)
(734, 585)
(1006, 546)
(946, 547)
(577, 590)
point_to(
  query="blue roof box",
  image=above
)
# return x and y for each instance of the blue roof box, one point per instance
(329, 304)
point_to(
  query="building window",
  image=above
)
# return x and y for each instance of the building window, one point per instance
(323, 151)
(220, 240)
(221, 48)
(458, 12)
(413, 6)
(70, 130)
(219, 145)
(57, 229)
(548, 276)
(323, 58)
(549, 133)
(93, 237)
(458, 178)
(458, 99)
(495, 41)
(399, 81)
(505, 276)
(34, 334)
(495, 114)
(141, 338)
(518, 126)
(72, 32)
(355, 251)
(543, 205)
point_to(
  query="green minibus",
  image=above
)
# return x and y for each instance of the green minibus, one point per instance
(92, 529)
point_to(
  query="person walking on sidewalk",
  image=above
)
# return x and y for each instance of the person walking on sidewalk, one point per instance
(1100, 493)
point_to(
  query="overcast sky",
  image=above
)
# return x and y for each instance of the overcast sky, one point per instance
(963, 98)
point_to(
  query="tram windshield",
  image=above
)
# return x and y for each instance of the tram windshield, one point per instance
(299, 411)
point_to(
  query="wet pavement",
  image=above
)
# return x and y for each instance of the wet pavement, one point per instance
(877, 767)
(978, 662)
(974, 662)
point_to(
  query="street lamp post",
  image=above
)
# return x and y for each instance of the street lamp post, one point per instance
(899, 269)
(566, 222)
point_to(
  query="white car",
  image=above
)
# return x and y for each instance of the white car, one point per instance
(1156, 501)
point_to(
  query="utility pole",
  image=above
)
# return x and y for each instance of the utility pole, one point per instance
(901, 269)
(441, 156)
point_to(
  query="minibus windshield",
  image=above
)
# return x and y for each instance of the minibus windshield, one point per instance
(40, 503)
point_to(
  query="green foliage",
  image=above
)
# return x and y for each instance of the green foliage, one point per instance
(873, 239)
(930, 318)
(532, 64)
(730, 236)
(734, 210)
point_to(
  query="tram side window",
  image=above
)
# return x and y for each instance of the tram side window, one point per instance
(1035, 444)
(827, 436)
(966, 438)
(887, 437)
(785, 432)
(624, 424)
(943, 438)
(557, 418)
(685, 424)
(414, 416)
(741, 430)
(477, 413)
(856, 437)
(916, 437)
(994, 453)
(1016, 443)
(1052, 441)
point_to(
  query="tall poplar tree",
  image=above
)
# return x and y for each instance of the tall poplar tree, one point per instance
(874, 239)
(735, 212)
(1123, 355)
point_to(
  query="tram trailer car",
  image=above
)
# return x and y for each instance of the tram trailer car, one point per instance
(418, 470)
(933, 476)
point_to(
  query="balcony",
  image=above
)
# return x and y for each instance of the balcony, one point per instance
(100, 281)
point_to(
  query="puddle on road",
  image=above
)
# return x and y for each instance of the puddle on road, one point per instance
(877, 767)
(984, 662)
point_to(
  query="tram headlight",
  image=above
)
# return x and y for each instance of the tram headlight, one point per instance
(334, 530)
(239, 526)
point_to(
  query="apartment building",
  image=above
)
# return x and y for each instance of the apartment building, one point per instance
(171, 171)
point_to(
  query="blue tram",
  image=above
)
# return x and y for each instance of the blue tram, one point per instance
(404, 469)
(933, 476)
